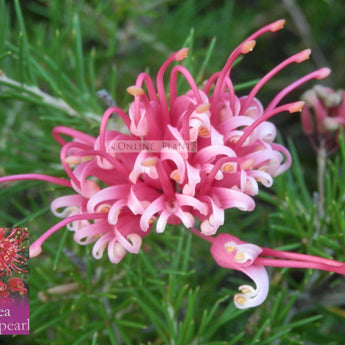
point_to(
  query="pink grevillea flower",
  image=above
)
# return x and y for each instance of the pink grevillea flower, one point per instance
(12, 242)
(5, 299)
(17, 285)
(230, 252)
(121, 184)
(323, 115)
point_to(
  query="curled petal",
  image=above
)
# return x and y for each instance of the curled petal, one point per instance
(186, 218)
(229, 198)
(210, 225)
(131, 244)
(101, 244)
(208, 153)
(250, 297)
(174, 156)
(115, 210)
(108, 195)
(89, 234)
(193, 178)
(116, 251)
(145, 163)
(155, 207)
(70, 202)
(265, 178)
(162, 221)
(186, 200)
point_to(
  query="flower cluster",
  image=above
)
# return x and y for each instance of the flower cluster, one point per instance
(322, 116)
(12, 243)
(183, 159)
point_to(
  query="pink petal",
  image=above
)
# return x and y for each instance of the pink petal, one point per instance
(229, 198)
(89, 234)
(155, 207)
(131, 247)
(108, 195)
(101, 244)
(116, 251)
(70, 202)
(250, 297)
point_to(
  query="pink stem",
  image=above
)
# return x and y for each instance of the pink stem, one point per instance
(165, 181)
(72, 133)
(189, 79)
(301, 56)
(105, 118)
(36, 247)
(63, 155)
(145, 78)
(213, 78)
(40, 177)
(204, 237)
(300, 264)
(300, 257)
(290, 107)
(177, 56)
(319, 74)
(275, 26)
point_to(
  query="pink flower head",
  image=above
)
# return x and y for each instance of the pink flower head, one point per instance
(230, 252)
(11, 244)
(323, 115)
(5, 299)
(3, 286)
(16, 285)
(184, 158)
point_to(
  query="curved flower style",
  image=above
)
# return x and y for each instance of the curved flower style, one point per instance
(230, 252)
(122, 183)
(323, 115)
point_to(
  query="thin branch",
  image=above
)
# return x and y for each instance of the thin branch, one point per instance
(46, 98)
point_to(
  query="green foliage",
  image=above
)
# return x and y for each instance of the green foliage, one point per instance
(54, 57)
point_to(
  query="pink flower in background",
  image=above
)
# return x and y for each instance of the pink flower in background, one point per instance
(17, 285)
(5, 299)
(119, 193)
(323, 115)
(11, 244)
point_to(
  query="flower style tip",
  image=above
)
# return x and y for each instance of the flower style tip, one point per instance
(296, 107)
(303, 55)
(35, 250)
(278, 25)
(182, 54)
(248, 46)
(135, 91)
(323, 73)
